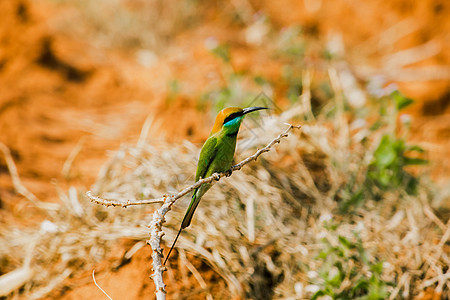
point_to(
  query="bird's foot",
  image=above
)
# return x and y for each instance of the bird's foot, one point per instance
(227, 173)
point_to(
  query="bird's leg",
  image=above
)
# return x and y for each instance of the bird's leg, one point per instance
(228, 172)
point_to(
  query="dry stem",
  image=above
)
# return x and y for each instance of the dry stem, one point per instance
(158, 219)
(172, 198)
(18, 185)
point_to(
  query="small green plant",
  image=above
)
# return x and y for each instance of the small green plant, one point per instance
(387, 170)
(401, 101)
(223, 52)
(347, 272)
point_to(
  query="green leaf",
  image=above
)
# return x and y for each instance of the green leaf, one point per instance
(415, 161)
(360, 286)
(259, 80)
(383, 177)
(385, 153)
(346, 243)
(401, 101)
(342, 269)
(318, 294)
(375, 126)
(322, 255)
(377, 268)
(415, 148)
(336, 280)
(374, 280)
(399, 146)
(355, 200)
(223, 52)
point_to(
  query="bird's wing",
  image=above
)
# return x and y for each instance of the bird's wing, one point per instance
(207, 154)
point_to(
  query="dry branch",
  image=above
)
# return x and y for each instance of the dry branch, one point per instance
(18, 185)
(158, 219)
(214, 177)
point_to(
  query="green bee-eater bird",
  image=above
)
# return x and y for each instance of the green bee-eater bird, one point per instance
(216, 155)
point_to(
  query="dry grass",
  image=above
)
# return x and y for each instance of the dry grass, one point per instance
(262, 230)
(273, 229)
(128, 25)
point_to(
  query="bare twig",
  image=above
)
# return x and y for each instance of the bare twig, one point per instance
(429, 213)
(158, 215)
(158, 219)
(213, 177)
(18, 185)
(196, 274)
(70, 159)
(431, 281)
(114, 202)
(100, 288)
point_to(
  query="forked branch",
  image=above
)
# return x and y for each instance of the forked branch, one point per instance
(158, 219)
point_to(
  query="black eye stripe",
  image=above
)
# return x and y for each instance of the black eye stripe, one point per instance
(232, 116)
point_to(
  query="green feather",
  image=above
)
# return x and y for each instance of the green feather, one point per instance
(216, 156)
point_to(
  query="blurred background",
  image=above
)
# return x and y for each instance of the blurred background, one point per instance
(81, 81)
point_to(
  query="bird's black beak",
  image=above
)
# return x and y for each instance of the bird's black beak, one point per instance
(251, 109)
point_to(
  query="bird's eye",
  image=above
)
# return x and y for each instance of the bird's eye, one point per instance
(231, 117)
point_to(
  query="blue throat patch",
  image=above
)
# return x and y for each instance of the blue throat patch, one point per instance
(234, 124)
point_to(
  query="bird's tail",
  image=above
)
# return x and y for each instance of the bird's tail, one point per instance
(186, 220)
(173, 245)
(191, 209)
(198, 193)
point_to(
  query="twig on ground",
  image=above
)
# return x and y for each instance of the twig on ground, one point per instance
(158, 219)
(18, 185)
(100, 288)
(71, 158)
(196, 274)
